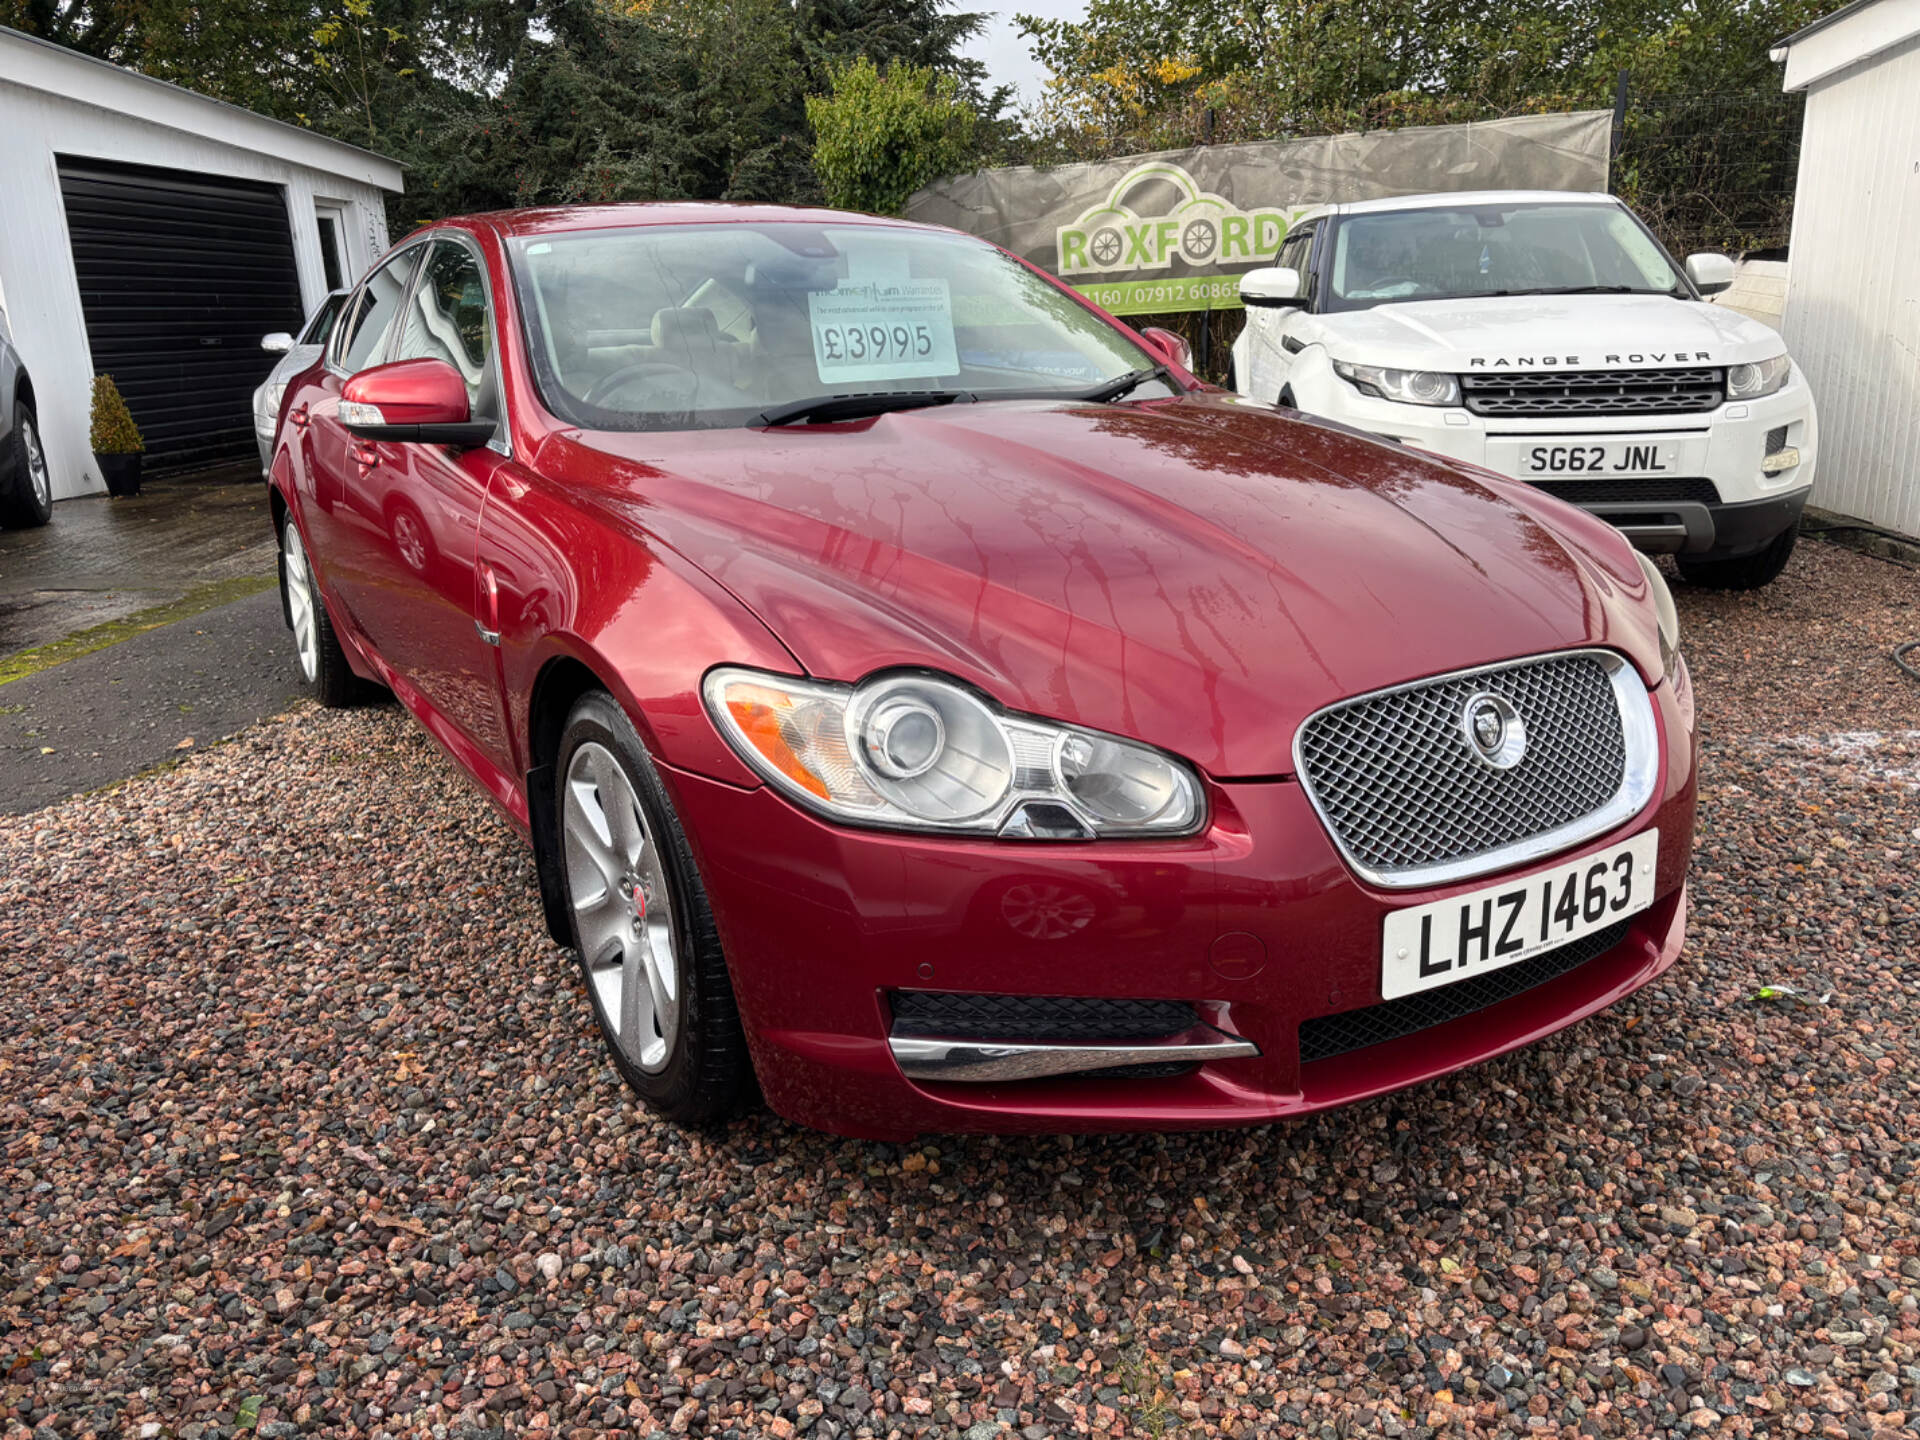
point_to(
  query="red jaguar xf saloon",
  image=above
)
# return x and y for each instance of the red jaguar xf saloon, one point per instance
(925, 698)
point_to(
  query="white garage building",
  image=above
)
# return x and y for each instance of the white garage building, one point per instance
(155, 235)
(1853, 291)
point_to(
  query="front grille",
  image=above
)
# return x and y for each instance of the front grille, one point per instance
(1594, 392)
(1332, 1035)
(950, 1015)
(1653, 490)
(1401, 786)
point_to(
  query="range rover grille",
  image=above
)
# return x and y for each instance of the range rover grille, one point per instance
(1594, 392)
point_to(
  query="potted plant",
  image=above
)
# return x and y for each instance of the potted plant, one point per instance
(116, 439)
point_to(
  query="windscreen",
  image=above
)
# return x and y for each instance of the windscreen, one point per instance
(682, 326)
(1530, 249)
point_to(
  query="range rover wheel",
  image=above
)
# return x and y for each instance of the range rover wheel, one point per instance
(323, 664)
(1748, 572)
(645, 936)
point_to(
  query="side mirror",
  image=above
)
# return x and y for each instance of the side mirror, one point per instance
(1169, 347)
(420, 401)
(1274, 285)
(1710, 273)
(278, 343)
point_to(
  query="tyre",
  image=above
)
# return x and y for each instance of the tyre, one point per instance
(323, 664)
(642, 929)
(27, 498)
(1748, 572)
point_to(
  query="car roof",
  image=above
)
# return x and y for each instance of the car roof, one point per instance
(1462, 199)
(554, 219)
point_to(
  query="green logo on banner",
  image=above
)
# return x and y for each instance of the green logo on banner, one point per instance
(1201, 229)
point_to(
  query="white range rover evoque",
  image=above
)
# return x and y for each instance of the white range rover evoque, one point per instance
(1550, 337)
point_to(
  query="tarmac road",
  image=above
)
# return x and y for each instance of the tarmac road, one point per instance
(119, 711)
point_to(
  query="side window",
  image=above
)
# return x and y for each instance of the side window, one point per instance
(364, 332)
(1292, 251)
(320, 327)
(447, 319)
(1296, 253)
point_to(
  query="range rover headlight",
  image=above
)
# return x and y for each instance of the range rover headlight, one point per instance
(1668, 616)
(921, 752)
(1409, 387)
(1762, 377)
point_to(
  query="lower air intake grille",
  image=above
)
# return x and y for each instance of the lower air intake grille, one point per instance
(1332, 1035)
(949, 1015)
(1656, 491)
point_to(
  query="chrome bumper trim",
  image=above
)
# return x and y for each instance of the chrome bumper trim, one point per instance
(983, 1061)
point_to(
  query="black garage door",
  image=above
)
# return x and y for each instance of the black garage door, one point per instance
(180, 276)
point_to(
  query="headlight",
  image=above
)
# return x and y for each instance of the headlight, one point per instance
(1763, 377)
(918, 752)
(270, 398)
(1409, 387)
(1664, 609)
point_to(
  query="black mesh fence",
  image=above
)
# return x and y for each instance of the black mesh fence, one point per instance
(1711, 171)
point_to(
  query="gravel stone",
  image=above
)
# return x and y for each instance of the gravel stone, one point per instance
(300, 1111)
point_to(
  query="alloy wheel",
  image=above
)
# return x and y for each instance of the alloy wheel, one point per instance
(37, 474)
(622, 907)
(301, 600)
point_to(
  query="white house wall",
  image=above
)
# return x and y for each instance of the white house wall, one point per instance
(1853, 303)
(36, 259)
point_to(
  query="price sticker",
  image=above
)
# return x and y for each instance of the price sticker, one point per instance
(882, 330)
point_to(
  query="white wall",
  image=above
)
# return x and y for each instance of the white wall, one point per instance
(1759, 291)
(36, 259)
(1853, 299)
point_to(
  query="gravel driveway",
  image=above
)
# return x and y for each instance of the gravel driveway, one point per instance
(304, 1130)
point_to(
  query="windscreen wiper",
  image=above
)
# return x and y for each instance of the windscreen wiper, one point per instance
(1123, 384)
(1578, 290)
(823, 408)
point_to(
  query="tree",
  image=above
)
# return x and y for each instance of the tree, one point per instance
(1139, 74)
(882, 134)
(509, 102)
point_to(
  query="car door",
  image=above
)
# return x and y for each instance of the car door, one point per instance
(342, 532)
(421, 561)
(1273, 340)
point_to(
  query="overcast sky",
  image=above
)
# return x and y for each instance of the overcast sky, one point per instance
(1007, 59)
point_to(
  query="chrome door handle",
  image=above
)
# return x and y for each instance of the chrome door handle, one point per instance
(492, 637)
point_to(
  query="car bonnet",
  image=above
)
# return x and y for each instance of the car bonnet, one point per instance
(1197, 573)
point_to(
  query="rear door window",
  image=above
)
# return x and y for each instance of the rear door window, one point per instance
(364, 335)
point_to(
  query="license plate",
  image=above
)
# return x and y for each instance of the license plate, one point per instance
(1427, 946)
(1598, 459)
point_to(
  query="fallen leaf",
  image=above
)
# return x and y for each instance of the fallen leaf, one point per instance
(186, 744)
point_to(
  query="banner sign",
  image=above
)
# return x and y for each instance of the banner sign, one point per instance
(1151, 234)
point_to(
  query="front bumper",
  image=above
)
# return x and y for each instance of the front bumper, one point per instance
(263, 436)
(1707, 531)
(1256, 923)
(1744, 509)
